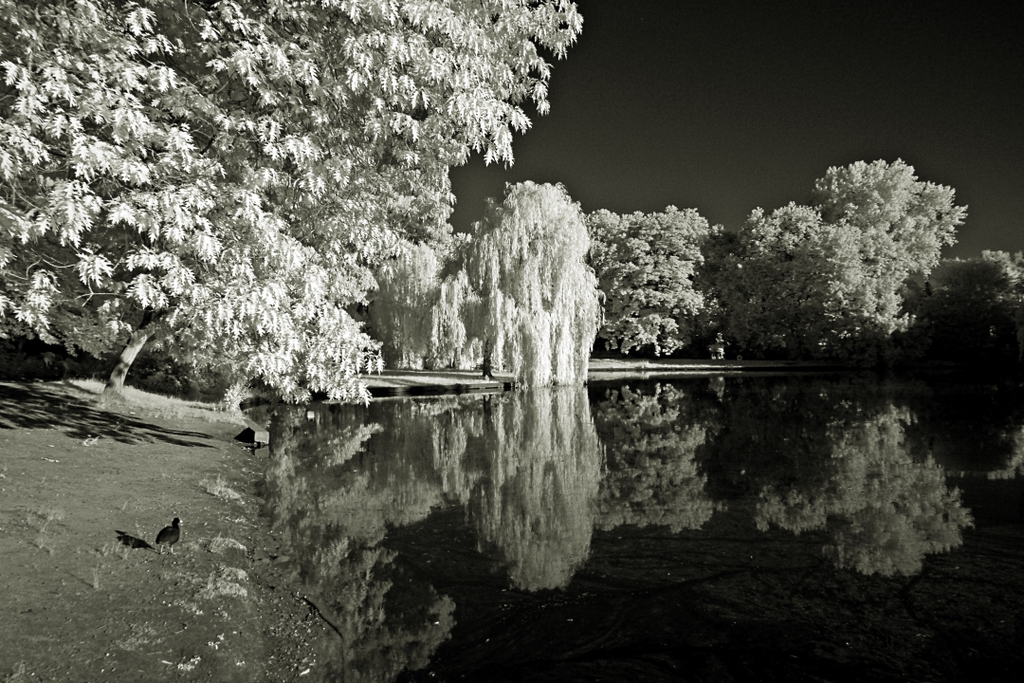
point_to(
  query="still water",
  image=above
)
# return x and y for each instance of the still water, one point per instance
(712, 528)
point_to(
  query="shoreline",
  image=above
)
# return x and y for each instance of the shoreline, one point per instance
(224, 605)
(398, 383)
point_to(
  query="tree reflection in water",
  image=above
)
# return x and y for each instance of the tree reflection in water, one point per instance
(884, 510)
(535, 472)
(819, 463)
(330, 497)
(1014, 465)
(531, 496)
(525, 465)
(652, 476)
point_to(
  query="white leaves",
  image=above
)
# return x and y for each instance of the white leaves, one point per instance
(8, 167)
(15, 73)
(139, 21)
(36, 301)
(13, 224)
(129, 124)
(149, 260)
(91, 157)
(55, 84)
(58, 125)
(208, 32)
(355, 80)
(270, 130)
(73, 205)
(22, 150)
(178, 280)
(145, 291)
(93, 269)
(302, 150)
(206, 247)
(178, 142)
(249, 184)
(121, 212)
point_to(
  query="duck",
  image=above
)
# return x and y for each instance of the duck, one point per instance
(169, 535)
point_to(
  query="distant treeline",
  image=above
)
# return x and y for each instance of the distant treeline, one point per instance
(539, 286)
(855, 276)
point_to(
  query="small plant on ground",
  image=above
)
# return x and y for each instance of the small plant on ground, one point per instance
(221, 544)
(112, 548)
(222, 583)
(140, 635)
(189, 664)
(42, 517)
(18, 675)
(220, 489)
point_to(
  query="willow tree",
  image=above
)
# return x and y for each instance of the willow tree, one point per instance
(418, 313)
(539, 309)
(449, 344)
(408, 287)
(224, 175)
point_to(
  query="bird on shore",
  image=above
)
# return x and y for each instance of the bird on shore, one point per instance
(131, 541)
(169, 535)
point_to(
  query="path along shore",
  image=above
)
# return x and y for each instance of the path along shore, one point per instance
(428, 382)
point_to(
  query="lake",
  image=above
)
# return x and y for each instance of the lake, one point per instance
(807, 527)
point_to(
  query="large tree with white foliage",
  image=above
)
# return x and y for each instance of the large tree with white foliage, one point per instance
(826, 280)
(645, 265)
(224, 175)
(899, 225)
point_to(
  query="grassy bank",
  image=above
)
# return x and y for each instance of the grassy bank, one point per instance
(79, 605)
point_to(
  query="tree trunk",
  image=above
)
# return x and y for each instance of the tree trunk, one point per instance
(487, 360)
(115, 383)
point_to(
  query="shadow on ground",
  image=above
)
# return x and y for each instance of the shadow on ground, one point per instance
(72, 410)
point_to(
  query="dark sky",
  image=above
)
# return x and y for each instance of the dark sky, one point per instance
(726, 106)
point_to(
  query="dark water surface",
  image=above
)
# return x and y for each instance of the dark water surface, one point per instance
(745, 528)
